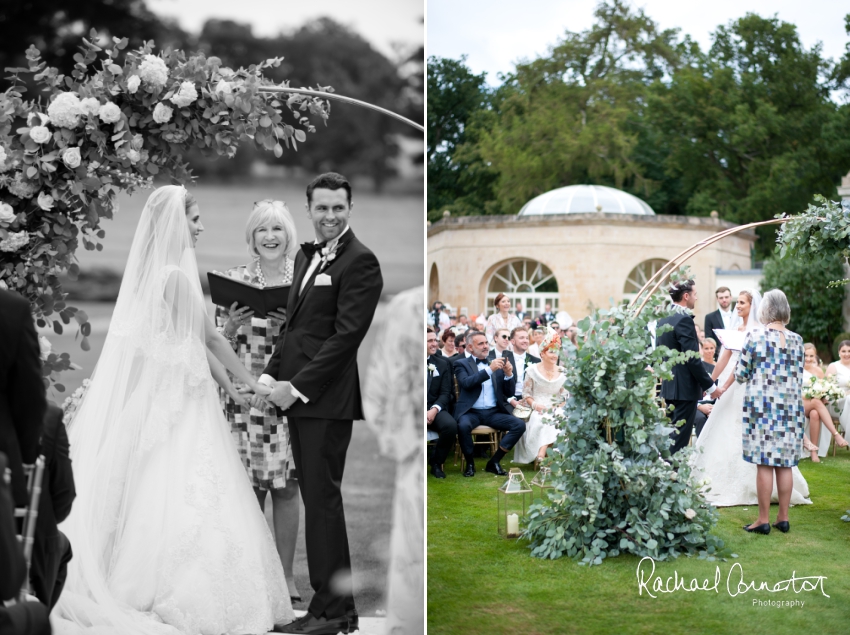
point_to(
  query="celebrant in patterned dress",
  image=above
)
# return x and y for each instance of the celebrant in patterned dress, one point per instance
(262, 437)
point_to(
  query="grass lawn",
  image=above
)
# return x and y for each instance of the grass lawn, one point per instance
(479, 582)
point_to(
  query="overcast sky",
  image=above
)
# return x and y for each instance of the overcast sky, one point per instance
(496, 33)
(381, 22)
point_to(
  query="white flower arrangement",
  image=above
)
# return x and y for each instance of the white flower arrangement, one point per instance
(90, 105)
(109, 112)
(690, 514)
(223, 88)
(44, 347)
(162, 113)
(65, 110)
(45, 201)
(133, 84)
(153, 71)
(7, 213)
(15, 241)
(40, 134)
(185, 96)
(71, 157)
(826, 389)
(22, 188)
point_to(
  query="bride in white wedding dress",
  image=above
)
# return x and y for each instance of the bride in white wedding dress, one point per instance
(166, 532)
(719, 448)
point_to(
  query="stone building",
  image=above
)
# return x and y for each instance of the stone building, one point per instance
(577, 247)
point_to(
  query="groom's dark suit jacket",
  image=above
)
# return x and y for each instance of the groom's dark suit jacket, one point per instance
(324, 328)
(22, 395)
(713, 321)
(690, 380)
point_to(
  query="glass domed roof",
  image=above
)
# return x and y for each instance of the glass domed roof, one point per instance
(585, 199)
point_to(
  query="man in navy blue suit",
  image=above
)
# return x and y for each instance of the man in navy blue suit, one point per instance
(485, 386)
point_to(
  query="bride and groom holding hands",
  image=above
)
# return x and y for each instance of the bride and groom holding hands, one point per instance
(167, 534)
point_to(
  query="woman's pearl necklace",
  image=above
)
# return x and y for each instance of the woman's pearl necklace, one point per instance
(260, 275)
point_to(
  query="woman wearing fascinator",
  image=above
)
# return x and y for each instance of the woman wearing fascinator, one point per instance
(543, 391)
(167, 534)
(719, 448)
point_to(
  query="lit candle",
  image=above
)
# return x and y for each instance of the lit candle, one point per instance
(513, 525)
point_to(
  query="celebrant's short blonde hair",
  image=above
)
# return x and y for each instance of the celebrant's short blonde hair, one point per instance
(275, 212)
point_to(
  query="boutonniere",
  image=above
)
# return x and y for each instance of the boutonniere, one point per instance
(431, 368)
(329, 253)
(527, 362)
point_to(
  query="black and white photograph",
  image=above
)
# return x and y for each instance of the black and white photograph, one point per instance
(212, 232)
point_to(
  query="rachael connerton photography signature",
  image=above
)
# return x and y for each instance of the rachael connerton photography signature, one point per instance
(735, 582)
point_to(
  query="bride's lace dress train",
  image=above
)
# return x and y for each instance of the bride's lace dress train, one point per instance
(719, 450)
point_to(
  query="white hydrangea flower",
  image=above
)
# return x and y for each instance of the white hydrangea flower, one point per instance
(153, 71)
(72, 158)
(15, 241)
(22, 188)
(223, 88)
(90, 105)
(133, 84)
(186, 95)
(45, 347)
(7, 213)
(109, 112)
(65, 110)
(45, 201)
(162, 113)
(40, 134)
(690, 514)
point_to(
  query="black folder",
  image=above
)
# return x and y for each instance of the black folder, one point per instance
(225, 291)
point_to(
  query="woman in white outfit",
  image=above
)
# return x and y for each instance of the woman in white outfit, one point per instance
(841, 370)
(543, 390)
(168, 537)
(817, 413)
(719, 448)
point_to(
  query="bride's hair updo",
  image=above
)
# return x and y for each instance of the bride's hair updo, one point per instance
(190, 201)
(749, 295)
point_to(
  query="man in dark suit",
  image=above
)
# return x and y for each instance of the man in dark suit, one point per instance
(438, 417)
(22, 395)
(520, 360)
(547, 316)
(722, 318)
(520, 314)
(51, 549)
(690, 380)
(501, 340)
(484, 388)
(335, 290)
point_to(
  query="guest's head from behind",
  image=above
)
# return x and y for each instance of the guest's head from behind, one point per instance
(448, 338)
(724, 297)
(707, 348)
(478, 346)
(774, 309)
(519, 340)
(502, 304)
(193, 218)
(453, 320)
(684, 293)
(431, 341)
(270, 232)
(502, 339)
(550, 347)
(329, 205)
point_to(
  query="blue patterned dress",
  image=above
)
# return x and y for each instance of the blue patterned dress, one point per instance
(774, 418)
(262, 439)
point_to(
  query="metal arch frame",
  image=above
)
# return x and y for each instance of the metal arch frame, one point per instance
(342, 98)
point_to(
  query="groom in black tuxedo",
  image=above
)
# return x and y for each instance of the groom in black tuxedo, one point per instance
(690, 380)
(335, 290)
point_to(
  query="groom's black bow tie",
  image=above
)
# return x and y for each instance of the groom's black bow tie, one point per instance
(310, 249)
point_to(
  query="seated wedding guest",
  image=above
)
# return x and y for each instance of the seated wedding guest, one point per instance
(536, 337)
(460, 347)
(51, 548)
(484, 388)
(22, 395)
(501, 343)
(438, 416)
(448, 339)
(816, 411)
(24, 618)
(543, 391)
(262, 438)
(841, 369)
(547, 316)
(501, 319)
(704, 407)
(520, 359)
(707, 350)
(526, 324)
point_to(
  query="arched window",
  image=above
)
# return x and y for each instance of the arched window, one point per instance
(526, 281)
(640, 275)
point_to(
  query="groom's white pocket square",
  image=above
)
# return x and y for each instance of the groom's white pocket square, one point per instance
(322, 280)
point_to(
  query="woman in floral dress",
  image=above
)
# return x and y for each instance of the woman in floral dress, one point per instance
(262, 437)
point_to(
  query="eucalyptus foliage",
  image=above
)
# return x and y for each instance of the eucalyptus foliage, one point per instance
(616, 487)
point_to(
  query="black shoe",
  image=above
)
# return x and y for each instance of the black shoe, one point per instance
(782, 525)
(758, 529)
(353, 618)
(437, 472)
(494, 468)
(315, 625)
(470, 467)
